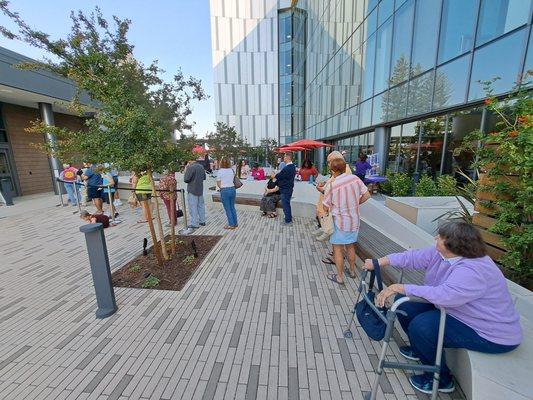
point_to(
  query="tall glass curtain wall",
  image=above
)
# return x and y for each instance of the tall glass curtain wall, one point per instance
(376, 62)
(291, 37)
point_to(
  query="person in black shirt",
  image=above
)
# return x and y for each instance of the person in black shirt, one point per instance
(270, 199)
(285, 182)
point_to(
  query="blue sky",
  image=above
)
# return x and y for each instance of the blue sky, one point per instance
(175, 32)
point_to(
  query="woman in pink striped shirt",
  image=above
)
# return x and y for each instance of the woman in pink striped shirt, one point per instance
(342, 199)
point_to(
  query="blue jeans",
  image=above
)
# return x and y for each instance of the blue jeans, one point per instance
(286, 205)
(227, 196)
(422, 326)
(71, 193)
(196, 209)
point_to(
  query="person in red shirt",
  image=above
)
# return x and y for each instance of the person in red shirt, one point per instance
(307, 170)
(69, 177)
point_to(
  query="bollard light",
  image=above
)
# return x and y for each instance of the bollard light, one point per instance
(100, 270)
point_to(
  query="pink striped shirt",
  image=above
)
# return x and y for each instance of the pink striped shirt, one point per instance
(342, 199)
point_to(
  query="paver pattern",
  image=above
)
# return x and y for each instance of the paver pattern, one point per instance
(258, 319)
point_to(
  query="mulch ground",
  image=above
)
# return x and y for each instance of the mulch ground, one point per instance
(174, 274)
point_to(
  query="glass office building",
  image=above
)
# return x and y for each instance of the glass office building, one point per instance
(400, 78)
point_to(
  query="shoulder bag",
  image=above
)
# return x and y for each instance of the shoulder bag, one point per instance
(236, 181)
(369, 320)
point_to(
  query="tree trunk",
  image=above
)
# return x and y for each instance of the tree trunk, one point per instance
(172, 222)
(159, 224)
(157, 251)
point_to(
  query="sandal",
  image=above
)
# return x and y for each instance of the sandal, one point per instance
(328, 260)
(272, 215)
(350, 273)
(333, 278)
(142, 221)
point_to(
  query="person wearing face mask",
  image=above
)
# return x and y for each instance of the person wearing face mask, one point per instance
(462, 278)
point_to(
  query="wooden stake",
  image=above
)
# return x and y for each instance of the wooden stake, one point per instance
(172, 221)
(158, 217)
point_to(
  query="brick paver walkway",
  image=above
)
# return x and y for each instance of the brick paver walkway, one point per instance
(257, 320)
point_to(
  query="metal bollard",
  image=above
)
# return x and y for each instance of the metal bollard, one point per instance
(101, 272)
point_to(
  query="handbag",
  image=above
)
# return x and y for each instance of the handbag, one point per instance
(132, 200)
(371, 322)
(236, 181)
(179, 211)
(326, 223)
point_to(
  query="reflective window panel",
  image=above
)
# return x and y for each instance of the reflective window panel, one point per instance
(420, 94)
(501, 60)
(386, 7)
(369, 50)
(451, 83)
(383, 50)
(500, 16)
(457, 28)
(425, 35)
(397, 102)
(401, 44)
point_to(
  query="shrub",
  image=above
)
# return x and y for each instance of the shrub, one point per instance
(426, 187)
(150, 282)
(386, 187)
(446, 185)
(401, 184)
(135, 268)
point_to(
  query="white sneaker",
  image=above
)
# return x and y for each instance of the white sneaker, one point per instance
(117, 203)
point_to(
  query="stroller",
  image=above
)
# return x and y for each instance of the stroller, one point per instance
(388, 319)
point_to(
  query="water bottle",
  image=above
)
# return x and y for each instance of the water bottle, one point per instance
(311, 179)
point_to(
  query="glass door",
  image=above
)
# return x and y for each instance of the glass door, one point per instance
(6, 174)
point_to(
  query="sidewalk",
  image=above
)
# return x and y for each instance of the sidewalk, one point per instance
(257, 320)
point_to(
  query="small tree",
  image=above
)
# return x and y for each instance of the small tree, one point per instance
(135, 109)
(225, 142)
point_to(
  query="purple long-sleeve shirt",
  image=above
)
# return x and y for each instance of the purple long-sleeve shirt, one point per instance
(473, 290)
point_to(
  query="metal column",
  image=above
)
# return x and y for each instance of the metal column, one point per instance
(444, 145)
(47, 116)
(381, 145)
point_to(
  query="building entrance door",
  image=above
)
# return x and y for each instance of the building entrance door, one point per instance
(7, 179)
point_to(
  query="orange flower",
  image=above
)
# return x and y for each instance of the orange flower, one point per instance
(488, 102)
(523, 119)
(513, 134)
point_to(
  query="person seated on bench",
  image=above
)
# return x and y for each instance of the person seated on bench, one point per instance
(270, 199)
(460, 277)
(258, 173)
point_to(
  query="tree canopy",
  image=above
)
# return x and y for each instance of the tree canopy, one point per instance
(135, 112)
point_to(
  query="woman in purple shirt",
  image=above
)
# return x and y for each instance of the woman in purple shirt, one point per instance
(460, 277)
(361, 166)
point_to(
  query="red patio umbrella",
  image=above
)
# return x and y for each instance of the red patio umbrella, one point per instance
(197, 150)
(309, 144)
(290, 148)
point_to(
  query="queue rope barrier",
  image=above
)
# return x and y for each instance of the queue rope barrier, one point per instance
(100, 187)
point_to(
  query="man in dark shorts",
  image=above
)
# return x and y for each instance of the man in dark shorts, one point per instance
(95, 218)
(93, 179)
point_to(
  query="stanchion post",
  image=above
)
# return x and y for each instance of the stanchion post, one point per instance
(76, 190)
(100, 270)
(186, 230)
